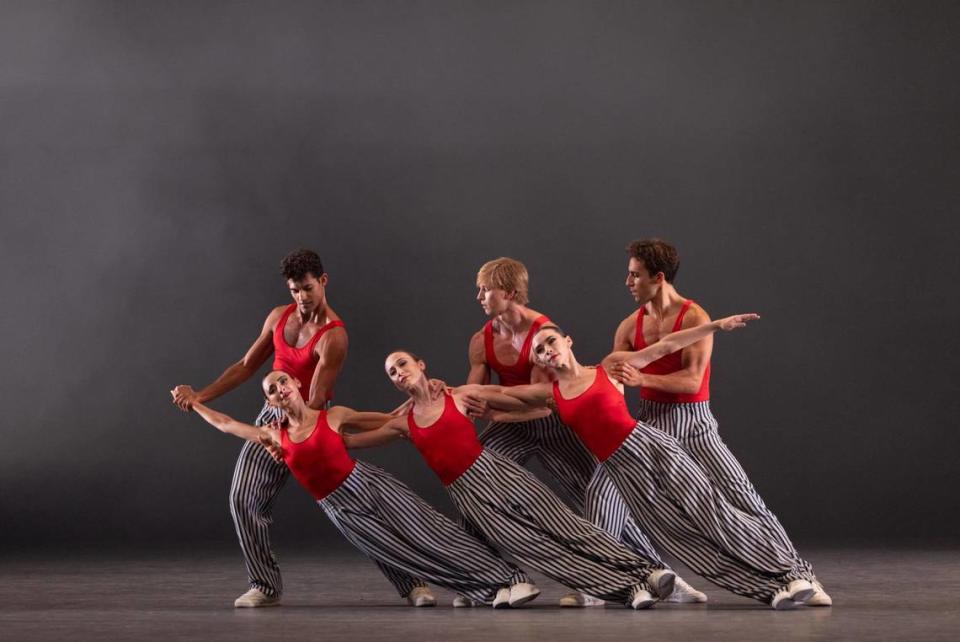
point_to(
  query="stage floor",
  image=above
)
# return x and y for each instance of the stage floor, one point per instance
(907, 595)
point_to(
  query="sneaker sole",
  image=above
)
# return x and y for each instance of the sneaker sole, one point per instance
(523, 600)
(664, 587)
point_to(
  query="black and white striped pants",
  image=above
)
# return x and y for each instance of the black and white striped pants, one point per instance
(694, 426)
(515, 511)
(674, 501)
(408, 538)
(576, 470)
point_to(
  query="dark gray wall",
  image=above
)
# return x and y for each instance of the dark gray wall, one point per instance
(158, 159)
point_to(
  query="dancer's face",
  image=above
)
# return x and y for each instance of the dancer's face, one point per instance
(641, 284)
(309, 293)
(403, 370)
(281, 389)
(552, 350)
(493, 300)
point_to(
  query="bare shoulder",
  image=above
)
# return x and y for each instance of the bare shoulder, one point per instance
(274, 316)
(623, 337)
(477, 350)
(695, 316)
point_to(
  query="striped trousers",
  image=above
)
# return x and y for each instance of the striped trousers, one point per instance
(674, 501)
(257, 480)
(408, 538)
(515, 511)
(694, 426)
(588, 491)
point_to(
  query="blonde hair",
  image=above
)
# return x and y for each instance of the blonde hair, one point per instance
(506, 274)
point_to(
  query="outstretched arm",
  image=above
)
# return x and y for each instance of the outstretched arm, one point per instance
(390, 431)
(229, 425)
(676, 341)
(508, 399)
(341, 417)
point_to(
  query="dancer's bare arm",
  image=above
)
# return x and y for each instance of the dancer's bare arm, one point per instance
(477, 353)
(676, 341)
(342, 418)
(394, 429)
(184, 396)
(507, 398)
(331, 352)
(226, 423)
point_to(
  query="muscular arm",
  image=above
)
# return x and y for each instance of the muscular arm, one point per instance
(229, 425)
(258, 353)
(623, 337)
(331, 351)
(341, 417)
(390, 431)
(479, 370)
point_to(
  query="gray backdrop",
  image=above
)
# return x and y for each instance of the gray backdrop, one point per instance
(158, 159)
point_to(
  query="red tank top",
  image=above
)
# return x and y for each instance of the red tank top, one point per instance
(668, 364)
(599, 415)
(449, 445)
(517, 374)
(299, 362)
(320, 462)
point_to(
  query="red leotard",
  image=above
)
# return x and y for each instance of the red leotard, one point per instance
(449, 445)
(669, 364)
(517, 374)
(599, 415)
(299, 362)
(320, 462)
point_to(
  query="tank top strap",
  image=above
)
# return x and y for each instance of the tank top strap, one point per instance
(528, 341)
(337, 323)
(282, 323)
(639, 343)
(683, 312)
(488, 345)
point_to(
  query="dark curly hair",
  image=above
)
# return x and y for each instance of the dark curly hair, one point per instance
(657, 256)
(299, 263)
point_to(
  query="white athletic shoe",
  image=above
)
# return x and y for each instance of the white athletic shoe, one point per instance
(421, 596)
(800, 590)
(502, 600)
(254, 599)
(580, 600)
(462, 601)
(642, 599)
(661, 581)
(683, 593)
(522, 592)
(781, 601)
(820, 596)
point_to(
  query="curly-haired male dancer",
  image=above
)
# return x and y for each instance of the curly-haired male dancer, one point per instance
(675, 390)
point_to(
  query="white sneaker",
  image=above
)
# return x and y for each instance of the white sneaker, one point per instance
(661, 581)
(683, 593)
(502, 600)
(781, 601)
(819, 597)
(462, 601)
(254, 599)
(522, 592)
(421, 596)
(580, 600)
(642, 599)
(800, 590)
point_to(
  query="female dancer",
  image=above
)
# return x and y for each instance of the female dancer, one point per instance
(375, 512)
(668, 494)
(506, 503)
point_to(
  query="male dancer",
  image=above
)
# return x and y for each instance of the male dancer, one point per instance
(503, 346)
(308, 339)
(675, 390)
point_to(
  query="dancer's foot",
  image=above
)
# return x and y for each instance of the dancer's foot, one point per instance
(522, 592)
(800, 590)
(502, 600)
(661, 581)
(683, 593)
(421, 596)
(580, 600)
(819, 597)
(462, 602)
(254, 599)
(642, 599)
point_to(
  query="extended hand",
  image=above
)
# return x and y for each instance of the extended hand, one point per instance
(271, 442)
(736, 321)
(477, 407)
(184, 397)
(437, 388)
(627, 375)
